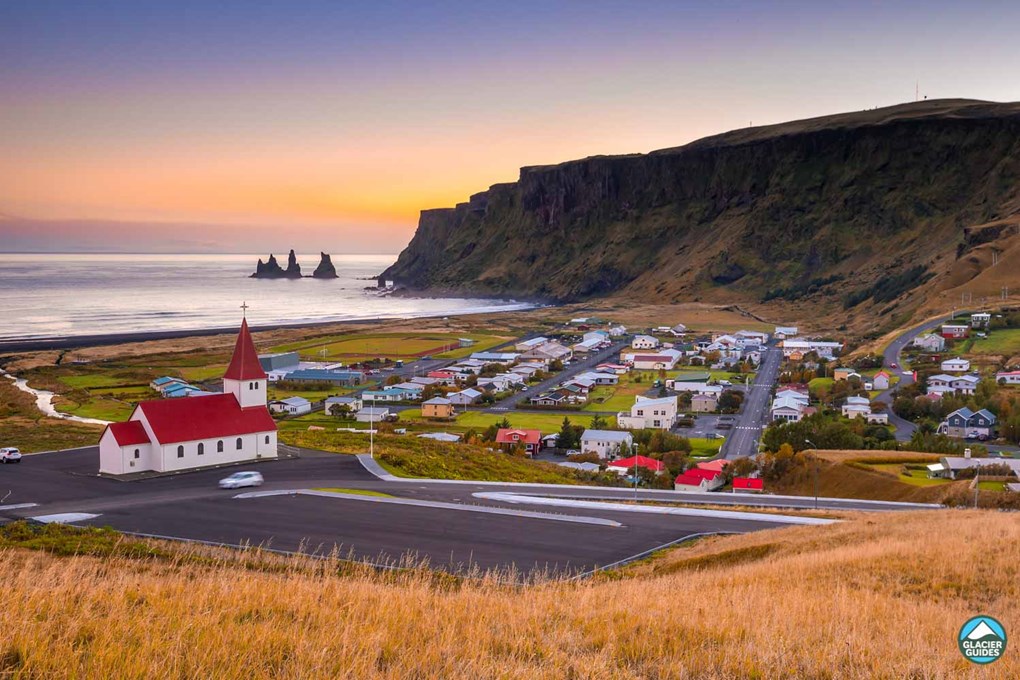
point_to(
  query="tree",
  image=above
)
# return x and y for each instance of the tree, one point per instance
(598, 422)
(570, 435)
(394, 379)
(504, 424)
(341, 411)
(555, 366)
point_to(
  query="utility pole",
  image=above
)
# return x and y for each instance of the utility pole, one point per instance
(814, 446)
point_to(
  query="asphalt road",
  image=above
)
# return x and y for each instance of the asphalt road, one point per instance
(190, 506)
(743, 439)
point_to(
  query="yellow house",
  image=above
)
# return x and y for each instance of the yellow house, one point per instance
(437, 407)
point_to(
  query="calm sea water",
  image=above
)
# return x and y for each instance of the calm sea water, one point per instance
(45, 296)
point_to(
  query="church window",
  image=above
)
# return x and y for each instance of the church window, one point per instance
(219, 446)
(239, 443)
(201, 449)
(180, 451)
(137, 454)
(267, 438)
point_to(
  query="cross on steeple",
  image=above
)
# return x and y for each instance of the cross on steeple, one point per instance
(244, 310)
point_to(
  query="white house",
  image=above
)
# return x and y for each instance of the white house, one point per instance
(526, 345)
(465, 397)
(784, 332)
(822, 348)
(373, 414)
(956, 365)
(294, 406)
(644, 342)
(353, 403)
(694, 387)
(657, 414)
(549, 351)
(663, 359)
(930, 342)
(1008, 377)
(179, 434)
(856, 407)
(607, 443)
(881, 381)
(964, 384)
(788, 409)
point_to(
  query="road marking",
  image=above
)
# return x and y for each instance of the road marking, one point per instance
(527, 514)
(64, 517)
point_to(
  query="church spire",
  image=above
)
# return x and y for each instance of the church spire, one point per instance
(244, 365)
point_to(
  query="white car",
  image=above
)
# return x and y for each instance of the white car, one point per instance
(10, 455)
(241, 479)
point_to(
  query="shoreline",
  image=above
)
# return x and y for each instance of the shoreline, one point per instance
(122, 337)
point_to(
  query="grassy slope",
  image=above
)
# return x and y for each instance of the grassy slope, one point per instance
(407, 456)
(22, 425)
(803, 602)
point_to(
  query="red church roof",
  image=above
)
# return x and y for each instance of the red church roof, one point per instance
(212, 417)
(130, 433)
(244, 365)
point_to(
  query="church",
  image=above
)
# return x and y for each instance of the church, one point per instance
(167, 435)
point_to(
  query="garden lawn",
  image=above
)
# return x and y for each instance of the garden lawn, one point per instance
(548, 423)
(1003, 341)
(704, 448)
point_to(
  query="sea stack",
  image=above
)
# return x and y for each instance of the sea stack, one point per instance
(325, 270)
(271, 269)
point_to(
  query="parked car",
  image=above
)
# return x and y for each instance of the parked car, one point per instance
(241, 479)
(10, 455)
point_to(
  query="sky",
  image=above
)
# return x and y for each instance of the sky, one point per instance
(228, 126)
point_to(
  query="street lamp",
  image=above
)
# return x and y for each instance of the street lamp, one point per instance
(814, 446)
(634, 453)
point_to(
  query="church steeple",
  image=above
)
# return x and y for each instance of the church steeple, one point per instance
(244, 376)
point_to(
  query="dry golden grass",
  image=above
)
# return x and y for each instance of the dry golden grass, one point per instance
(851, 455)
(881, 597)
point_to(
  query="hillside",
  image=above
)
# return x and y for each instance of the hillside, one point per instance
(865, 213)
(882, 596)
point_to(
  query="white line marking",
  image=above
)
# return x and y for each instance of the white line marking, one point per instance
(65, 517)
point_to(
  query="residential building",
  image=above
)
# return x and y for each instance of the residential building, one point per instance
(178, 434)
(980, 320)
(784, 332)
(437, 407)
(956, 365)
(627, 466)
(967, 424)
(877, 418)
(951, 466)
(292, 406)
(330, 376)
(955, 331)
(440, 437)
(160, 384)
(526, 345)
(496, 357)
(352, 403)
(373, 414)
(801, 346)
(963, 384)
(665, 359)
(390, 394)
(175, 390)
(509, 438)
(930, 342)
(657, 414)
(844, 373)
(856, 407)
(644, 342)
(607, 443)
(698, 480)
(465, 397)
(788, 409)
(548, 352)
(881, 381)
(587, 346)
(1008, 377)
(704, 403)
(748, 484)
(584, 467)
(694, 387)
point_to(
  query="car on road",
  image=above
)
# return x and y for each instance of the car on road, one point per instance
(242, 479)
(10, 455)
(715, 435)
(893, 365)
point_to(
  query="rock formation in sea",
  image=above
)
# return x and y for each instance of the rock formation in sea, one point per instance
(271, 269)
(325, 270)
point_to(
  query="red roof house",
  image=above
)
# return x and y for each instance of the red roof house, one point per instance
(698, 480)
(508, 438)
(748, 484)
(716, 465)
(626, 465)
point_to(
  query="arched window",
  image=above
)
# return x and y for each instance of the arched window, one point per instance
(219, 446)
(201, 448)
(137, 454)
(180, 451)
(239, 444)
(267, 438)
(256, 385)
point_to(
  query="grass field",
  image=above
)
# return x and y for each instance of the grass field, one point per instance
(119, 607)
(703, 448)
(391, 345)
(1003, 341)
(548, 423)
(22, 425)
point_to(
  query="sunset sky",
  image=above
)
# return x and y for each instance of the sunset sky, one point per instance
(254, 126)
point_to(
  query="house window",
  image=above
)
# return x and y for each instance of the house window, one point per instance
(201, 449)
(137, 454)
(180, 451)
(238, 444)
(267, 438)
(219, 446)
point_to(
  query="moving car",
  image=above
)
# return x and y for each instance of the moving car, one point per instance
(10, 455)
(241, 479)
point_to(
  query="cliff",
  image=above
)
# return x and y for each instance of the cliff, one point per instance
(853, 210)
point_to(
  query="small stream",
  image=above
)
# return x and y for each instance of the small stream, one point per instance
(44, 401)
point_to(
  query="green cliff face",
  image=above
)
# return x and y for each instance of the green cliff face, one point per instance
(825, 207)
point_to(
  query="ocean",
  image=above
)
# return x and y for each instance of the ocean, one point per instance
(57, 296)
